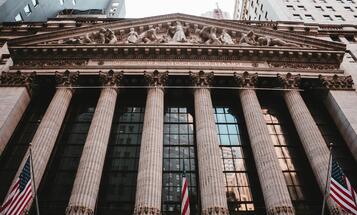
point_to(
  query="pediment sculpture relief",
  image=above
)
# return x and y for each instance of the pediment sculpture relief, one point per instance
(177, 33)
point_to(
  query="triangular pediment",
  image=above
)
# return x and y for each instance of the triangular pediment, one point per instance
(176, 30)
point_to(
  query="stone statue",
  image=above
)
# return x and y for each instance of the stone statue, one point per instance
(226, 38)
(149, 36)
(270, 41)
(110, 37)
(209, 35)
(179, 33)
(133, 36)
(248, 39)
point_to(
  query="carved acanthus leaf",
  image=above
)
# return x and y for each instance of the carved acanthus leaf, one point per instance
(66, 79)
(246, 80)
(202, 79)
(281, 210)
(145, 210)
(111, 78)
(336, 82)
(17, 79)
(215, 211)
(156, 79)
(79, 210)
(289, 81)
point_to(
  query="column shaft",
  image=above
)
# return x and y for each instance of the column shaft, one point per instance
(213, 197)
(86, 185)
(149, 182)
(275, 192)
(311, 138)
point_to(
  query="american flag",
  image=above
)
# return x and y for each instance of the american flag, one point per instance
(185, 204)
(341, 190)
(20, 195)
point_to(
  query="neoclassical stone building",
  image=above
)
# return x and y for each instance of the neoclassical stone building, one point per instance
(116, 110)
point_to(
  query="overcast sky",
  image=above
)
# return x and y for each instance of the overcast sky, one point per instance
(144, 8)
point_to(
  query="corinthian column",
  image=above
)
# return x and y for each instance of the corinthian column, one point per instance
(311, 138)
(14, 99)
(275, 192)
(86, 185)
(149, 183)
(47, 132)
(213, 196)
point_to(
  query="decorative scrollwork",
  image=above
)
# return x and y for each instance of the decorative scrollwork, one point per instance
(289, 81)
(110, 78)
(281, 209)
(17, 79)
(336, 82)
(75, 209)
(66, 79)
(202, 79)
(246, 80)
(215, 211)
(156, 79)
(145, 210)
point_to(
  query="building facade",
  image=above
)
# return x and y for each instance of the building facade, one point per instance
(116, 110)
(36, 10)
(310, 11)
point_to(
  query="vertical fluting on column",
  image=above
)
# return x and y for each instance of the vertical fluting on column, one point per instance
(275, 192)
(213, 196)
(46, 134)
(311, 138)
(15, 96)
(149, 181)
(86, 185)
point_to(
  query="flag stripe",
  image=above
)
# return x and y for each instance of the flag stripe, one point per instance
(342, 204)
(345, 200)
(345, 196)
(185, 201)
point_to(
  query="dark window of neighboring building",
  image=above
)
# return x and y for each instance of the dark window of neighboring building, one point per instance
(330, 8)
(34, 3)
(331, 134)
(327, 18)
(298, 175)
(339, 18)
(18, 18)
(309, 17)
(15, 150)
(350, 38)
(27, 10)
(118, 184)
(179, 150)
(56, 186)
(349, 9)
(319, 8)
(297, 17)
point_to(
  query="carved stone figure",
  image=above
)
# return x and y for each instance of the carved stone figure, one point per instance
(132, 36)
(209, 35)
(270, 41)
(110, 37)
(179, 33)
(226, 38)
(248, 39)
(149, 36)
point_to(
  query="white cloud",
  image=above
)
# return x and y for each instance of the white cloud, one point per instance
(145, 8)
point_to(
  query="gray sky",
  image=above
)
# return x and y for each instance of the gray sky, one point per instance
(144, 8)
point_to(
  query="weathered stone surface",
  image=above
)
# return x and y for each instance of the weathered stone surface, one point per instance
(13, 103)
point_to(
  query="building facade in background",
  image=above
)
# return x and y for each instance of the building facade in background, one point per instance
(116, 109)
(310, 11)
(41, 10)
(217, 13)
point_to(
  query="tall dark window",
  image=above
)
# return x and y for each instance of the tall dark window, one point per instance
(16, 148)
(118, 184)
(179, 151)
(331, 134)
(297, 173)
(57, 183)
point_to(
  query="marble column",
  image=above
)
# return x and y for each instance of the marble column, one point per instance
(276, 196)
(149, 182)
(213, 195)
(311, 138)
(46, 134)
(87, 182)
(341, 103)
(14, 98)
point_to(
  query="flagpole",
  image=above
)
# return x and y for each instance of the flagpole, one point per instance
(34, 183)
(327, 179)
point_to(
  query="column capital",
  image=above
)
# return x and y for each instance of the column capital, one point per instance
(111, 78)
(216, 211)
(66, 79)
(289, 81)
(280, 210)
(156, 79)
(336, 82)
(246, 79)
(17, 79)
(81, 209)
(144, 210)
(202, 79)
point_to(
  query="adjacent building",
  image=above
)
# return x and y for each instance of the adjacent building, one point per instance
(310, 11)
(117, 109)
(41, 10)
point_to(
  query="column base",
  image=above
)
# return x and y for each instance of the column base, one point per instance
(282, 210)
(79, 210)
(215, 211)
(144, 210)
